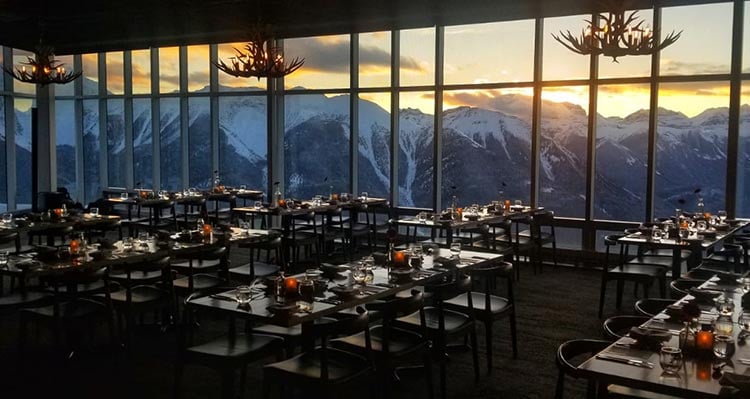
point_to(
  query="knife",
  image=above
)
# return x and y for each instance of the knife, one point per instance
(624, 360)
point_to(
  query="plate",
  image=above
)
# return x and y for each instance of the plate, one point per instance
(343, 292)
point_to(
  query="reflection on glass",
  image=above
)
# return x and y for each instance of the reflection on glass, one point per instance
(743, 167)
(19, 57)
(66, 145)
(90, 74)
(199, 142)
(558, 62)
(488, 53)
(230, 83)
(115, 143)
(621, 152)
(415, 143)
(562, 156)
(243, 141)
(691, 147)
(2, 81)
(629, 66)
(480, 128)
(374, 163)
(170, 144)
(746, 40)
(23, 152)
(91, 149)
(66, 89)
(326, 62)
(375, 59)
(417, 57)
(169, 69)
(699, 51)
(143, 145)
(141, 66)
(316, 144)
(3, 159)
(115, 79)
(197, 68)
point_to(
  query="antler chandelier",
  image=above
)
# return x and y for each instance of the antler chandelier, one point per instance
(260, 58)
(43, 68)
(615, 34)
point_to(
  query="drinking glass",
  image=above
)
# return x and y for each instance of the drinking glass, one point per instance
(3, 259)
(7, 218)
(722, 216)
(360, 276)
(656, 234)
(364, 196)
(518, 203)
(701, 225)
(123, 196)
(670, 359)
(94, 212)
(422, 217)
(258, 204)
(127, 244)
(744, 322)
(243, 293)
(724, 325)
(306, 289)
(722, 344)
(725, 306)
(455, 249)
(243, 187)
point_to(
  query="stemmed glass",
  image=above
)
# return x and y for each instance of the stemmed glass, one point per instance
(744, 322)
(455, 249)
(722, 344)
(722, 216)
(359, 274)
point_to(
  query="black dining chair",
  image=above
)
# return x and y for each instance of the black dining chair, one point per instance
(617, 327)
(652, 306)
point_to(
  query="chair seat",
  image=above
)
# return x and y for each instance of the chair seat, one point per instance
(653, 260)
(243, 346)
(401, 342)
(139, 295)
(637, 269)
(139, 276)
(543, 236)
(498, 304)
(21, 300)
(454, 321)
(342, 366)
(262, 269)
(89, 288)
(623, 392)
(77, 309)
(294, 332)
(197, 265)
(684, 254)
(200, 282)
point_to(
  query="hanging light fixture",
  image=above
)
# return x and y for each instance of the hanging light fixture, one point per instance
(615, 33)
(259, 58)
(42, 68)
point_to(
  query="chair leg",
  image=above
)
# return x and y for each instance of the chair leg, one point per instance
(178, 371)
(428, 376)
(488, 344)
(554, 253)
(559, 385)
(514, 332)
(474, 354)
(620, 286)
(227, 384)
(602, 291)
(662, 287)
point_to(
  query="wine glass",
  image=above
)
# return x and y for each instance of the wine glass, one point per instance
(94, 212)
(744, 323)
(722, 344)
(364, 196)
(455, 249)
(360, 276)
(722, 216)
(7, 218)
(670, 359)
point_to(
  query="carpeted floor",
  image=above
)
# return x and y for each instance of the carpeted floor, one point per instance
(554, 306)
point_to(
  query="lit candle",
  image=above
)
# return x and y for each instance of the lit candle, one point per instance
(399, 258)
(290, 283)
(207, 230)
(703, 370)
(75, 246)
(704, 340)
(507, 205)
(58, 212)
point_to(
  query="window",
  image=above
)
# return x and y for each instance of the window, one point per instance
(90, 74)
(374, 162)
(65, 133)
(375, 59)
(197, 65)
(115, 78)
(141, 70)
(415, 149)
(746, 40)
(3, 158)
(559, 63)
(230, 83)
(486, 145)
(169, 69)
(67, 63)
(417, 58)
(326, 62)
(243, 141)
(629, 66)
(199, 142)
(171, 144)
(23, 152)
(22, 56)
(143, 144)
(91, 149)
(116, 143)
(743, 167)
(316, 144)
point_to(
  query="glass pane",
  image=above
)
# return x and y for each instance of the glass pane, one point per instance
(326, 62)
(143, 144)
(483, 128)
(415, 143)
(3, 159)
(243, 141)
(621, 152)
(374, 163)
(141, 61)
(2, 81)
(91, 150)
(628, 66)
(417, 57)
(699, 51)
(170, 144)
(199, 142)
(115, 78)
(488, 53)
(197, 66)
(65, 131)
(746, 40)
(169, 70)
(20, 59)
(316, 145)
(23, 152)
(562, 156)
(559, 63)
(90, 74)
(115, 143)
(568, 238)
(743, 167)
(375, 59)
(691, 146)
(231, 83)
(66, 89)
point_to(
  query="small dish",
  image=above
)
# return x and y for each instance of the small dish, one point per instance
(343, 292)
(282, 310)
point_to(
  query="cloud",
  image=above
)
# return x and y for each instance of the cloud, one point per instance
(672, 67)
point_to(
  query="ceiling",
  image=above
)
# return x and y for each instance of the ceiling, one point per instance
(87, 26)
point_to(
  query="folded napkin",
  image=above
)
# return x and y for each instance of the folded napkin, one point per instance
(746, 301)
(648, 339)
(726, 277)
(734, 385)
(447, 262)
(703, 296)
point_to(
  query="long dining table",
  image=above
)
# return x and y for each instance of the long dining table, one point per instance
(696, 379)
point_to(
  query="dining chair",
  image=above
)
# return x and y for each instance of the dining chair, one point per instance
(200, 271)
(652, 306)
(681, 287)
(305, 232)
(542, 232)
(255, 268)
(393, 346)
(638, 273)
(323, 370)
(162, 215)
(487, 306)
(193, 208)
(226, 353)
(10, 242)
(567, 354)
(617, 327)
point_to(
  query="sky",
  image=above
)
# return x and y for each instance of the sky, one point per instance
(474, 54)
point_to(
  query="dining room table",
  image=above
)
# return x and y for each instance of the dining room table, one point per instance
(701, 244)
(629, 364)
